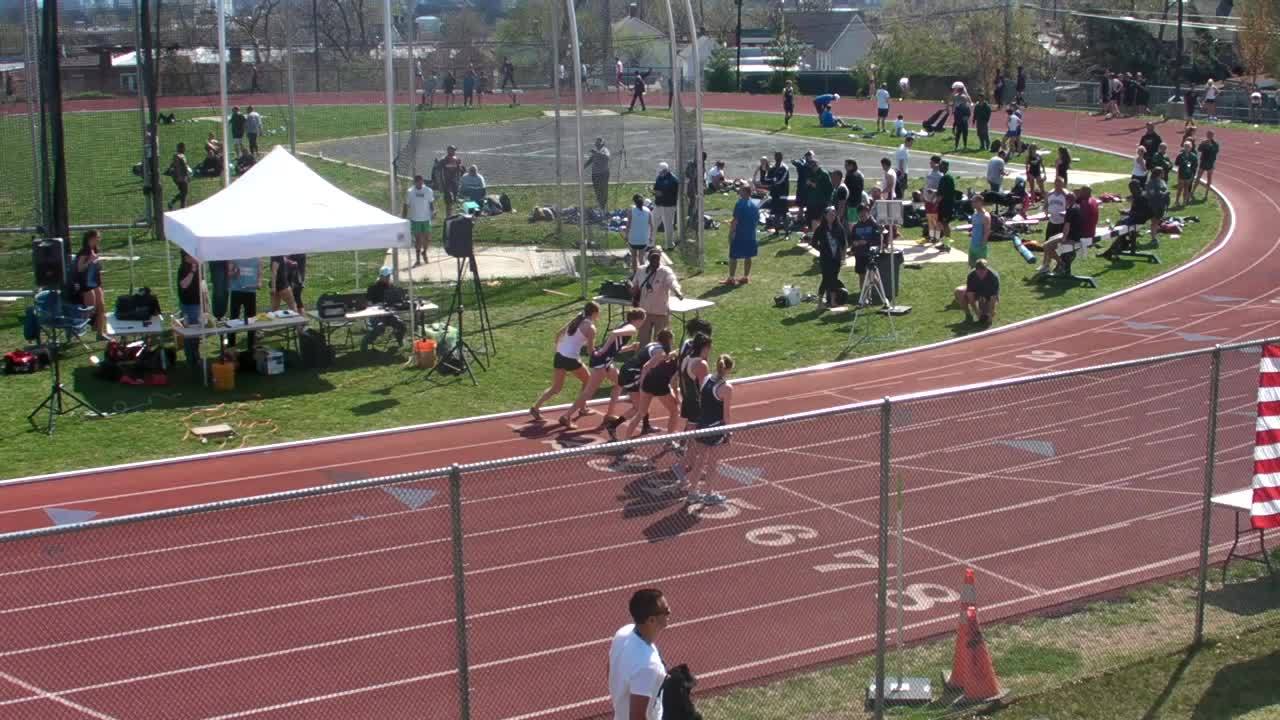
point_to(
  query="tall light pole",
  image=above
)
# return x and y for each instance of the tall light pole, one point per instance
(739, 4)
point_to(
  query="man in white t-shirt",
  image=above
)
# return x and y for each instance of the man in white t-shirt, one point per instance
(419, 205)
(636, 671)
(882, 107)
(889, 181)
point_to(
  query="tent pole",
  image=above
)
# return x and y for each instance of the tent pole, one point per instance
(388, 72)
(222, 91)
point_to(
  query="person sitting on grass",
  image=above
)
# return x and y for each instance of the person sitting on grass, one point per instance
(377, 294)
(716, 179)
(900, 127)
(980, 295)
(828, 119)
(472, 186)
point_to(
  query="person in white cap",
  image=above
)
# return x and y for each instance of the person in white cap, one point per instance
(666, 194)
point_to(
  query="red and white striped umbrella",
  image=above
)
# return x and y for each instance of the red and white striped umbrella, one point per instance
(1266, 452)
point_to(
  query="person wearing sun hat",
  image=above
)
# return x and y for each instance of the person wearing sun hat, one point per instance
(666, 195)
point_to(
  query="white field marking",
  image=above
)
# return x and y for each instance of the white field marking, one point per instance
(1172, 408)
(1159, 385)
(41, 694)
(1176, 438)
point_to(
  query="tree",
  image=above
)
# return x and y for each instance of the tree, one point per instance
(1257, 37)
(719, 75)
(784, 51)
(345, 27)
(255, 28)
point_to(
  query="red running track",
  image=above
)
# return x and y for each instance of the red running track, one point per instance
(342, 606)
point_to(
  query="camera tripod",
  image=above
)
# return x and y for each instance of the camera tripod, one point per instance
(873, 288)
(60, 400)
(461, 355)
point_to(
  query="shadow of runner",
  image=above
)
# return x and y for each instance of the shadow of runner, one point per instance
(1236, 687)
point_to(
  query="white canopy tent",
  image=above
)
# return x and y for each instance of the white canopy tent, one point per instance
(282, 207)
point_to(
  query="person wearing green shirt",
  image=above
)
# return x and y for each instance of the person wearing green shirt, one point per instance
(1187, 163)
(1208, 158)
(982, 119)
(1161, 160)
(946, 204)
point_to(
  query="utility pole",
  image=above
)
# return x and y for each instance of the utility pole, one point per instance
(739, 4)
(1177, 65)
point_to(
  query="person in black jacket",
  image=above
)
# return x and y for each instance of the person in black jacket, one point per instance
(637, 90)
(831, 241)
(666, 195)
(779, 181)
(802, 175)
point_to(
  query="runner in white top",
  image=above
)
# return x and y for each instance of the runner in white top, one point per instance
(882, 107)
(580, 332)
(640, 229)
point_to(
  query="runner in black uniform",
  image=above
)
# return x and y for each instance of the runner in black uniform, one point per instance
(693, 368)
(629, 379)
(717, 397)
(656, 379)
(601, 366)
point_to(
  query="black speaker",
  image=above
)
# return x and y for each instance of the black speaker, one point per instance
(49, 259)
(891, 279)
(457, 236)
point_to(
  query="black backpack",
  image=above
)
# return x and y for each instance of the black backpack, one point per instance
(677, 695)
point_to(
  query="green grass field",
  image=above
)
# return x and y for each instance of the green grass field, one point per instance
(1127, 656)
(371, 390)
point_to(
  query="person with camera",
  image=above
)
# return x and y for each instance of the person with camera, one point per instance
(865, 237)
(378, 294)
(652, 288)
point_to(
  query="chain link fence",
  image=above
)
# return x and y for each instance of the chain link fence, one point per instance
(1082, 503)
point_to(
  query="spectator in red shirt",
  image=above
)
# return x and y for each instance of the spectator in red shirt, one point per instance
(1088, 211)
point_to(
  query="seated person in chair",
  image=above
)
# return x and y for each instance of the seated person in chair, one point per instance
(1064, 242)
(1139, 214)
(472, 186)
(378, 295)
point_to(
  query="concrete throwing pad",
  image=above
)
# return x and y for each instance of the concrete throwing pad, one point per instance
(912, 252)
(585, 113)
(523, 152)
(499, 261)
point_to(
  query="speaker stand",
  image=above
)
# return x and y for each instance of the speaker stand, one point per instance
(60, 401)
(460, 352)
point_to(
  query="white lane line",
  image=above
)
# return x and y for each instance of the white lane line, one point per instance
(41, 694)
(1122, 448)
(1173, 408)
(1176, 438)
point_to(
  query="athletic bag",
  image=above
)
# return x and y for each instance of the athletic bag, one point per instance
(677, 695)
(316, 353)
(615, 290)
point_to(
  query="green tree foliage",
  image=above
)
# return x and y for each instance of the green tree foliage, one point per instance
(719, 74)
(785, 50)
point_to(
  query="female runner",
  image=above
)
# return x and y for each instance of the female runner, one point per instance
(717, 397)
(579, 333)
(657, 379)
(601, 363)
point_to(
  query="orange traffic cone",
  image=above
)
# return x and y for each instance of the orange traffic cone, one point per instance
(971, 670)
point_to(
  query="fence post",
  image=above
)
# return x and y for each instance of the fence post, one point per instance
(882, 546)
(1211, 451)
(459, 593)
